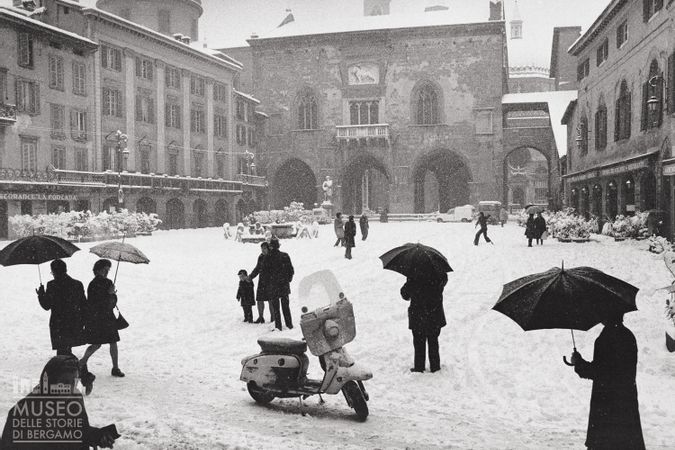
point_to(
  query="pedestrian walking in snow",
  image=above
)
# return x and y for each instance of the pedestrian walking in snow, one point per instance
(262, 269)
(245, 295)
(279, 288)
(65, 298)
(101, 324)
(363, 224)
(226, 231)
(503, 216)
(426, 317)
(315, 229)
(614, 418)
(339, 230)
(482, 221)
(530, 229)
(350, 234)
(539, 228)
(239, 233)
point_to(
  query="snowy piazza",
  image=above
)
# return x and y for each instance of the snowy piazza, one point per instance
(337, 224)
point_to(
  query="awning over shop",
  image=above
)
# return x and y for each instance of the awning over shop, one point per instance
(614, 168)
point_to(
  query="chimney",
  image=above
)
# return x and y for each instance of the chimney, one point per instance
(178, 37)
(496, 10)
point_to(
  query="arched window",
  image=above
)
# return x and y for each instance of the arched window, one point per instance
(307, 112)
(427, 106)
(601, 127)
(622, 118)
(652, 98)
(583, 135)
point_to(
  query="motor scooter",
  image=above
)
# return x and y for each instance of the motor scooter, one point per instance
(280, 369)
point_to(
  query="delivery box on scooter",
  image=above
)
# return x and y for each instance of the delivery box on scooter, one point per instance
(329, 328)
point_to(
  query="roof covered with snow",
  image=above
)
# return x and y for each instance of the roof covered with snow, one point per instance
(557, 102)
(21, 15)
(246, 96)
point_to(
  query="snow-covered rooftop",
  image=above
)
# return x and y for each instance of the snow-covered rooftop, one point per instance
(21, 15)
(557, 102)
(246, 96)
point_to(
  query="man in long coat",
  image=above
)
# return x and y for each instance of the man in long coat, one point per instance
(339, 230)
(279, 284)
(350, 234)
(426, 317)
(614, 418)
(65, 298)
(263, 281)
(363, 224)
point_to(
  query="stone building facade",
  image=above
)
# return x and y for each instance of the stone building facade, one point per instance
(620, 156)
(402, 116)
(173, 99)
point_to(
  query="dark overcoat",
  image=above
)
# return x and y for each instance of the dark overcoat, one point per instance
(281, 272)
(614, 418)
(339, 228)
(65, 298)
(245, 293)
(263, 280)
(363, 224)
(350, 233)
(539, 227)
(101, 325)
(425, 312)
(530, 228)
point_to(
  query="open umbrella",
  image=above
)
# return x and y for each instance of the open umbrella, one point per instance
(534, 209)
(415, 260)
(36, 249)
(575, 299)
(119, 251)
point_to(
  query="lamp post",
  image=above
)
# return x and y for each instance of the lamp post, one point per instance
(121, 148)
(653, 102)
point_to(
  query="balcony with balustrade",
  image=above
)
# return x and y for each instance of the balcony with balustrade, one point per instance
(363, 133)
(7, 114)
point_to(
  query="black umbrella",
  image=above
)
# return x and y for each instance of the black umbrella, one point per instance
(415, 261)
(36, 249)
(577, 298)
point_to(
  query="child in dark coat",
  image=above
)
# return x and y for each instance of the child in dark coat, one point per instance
(245, 295)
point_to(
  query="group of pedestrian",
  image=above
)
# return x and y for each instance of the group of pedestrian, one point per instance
(275, 272)
(346, 232)
(77, 319)
(535, 227)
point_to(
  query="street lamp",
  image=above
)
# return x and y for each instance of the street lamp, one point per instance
(121, 148)
(653, 102)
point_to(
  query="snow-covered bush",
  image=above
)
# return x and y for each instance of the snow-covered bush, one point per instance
(659, 244)
(566, 224)
(630, 226)
(295, 212)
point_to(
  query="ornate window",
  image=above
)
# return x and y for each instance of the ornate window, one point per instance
(56, 72)
(307, 112)
(601, 128)
(426, 106)
(622, 117)
(364, 112)
(79, 78)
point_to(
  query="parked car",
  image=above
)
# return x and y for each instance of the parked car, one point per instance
(456, 214)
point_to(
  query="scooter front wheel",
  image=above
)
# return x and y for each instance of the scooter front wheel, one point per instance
(356, 399)
(260, 395)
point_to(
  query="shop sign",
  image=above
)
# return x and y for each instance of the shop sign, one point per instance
(637, 165)
(19, 196)
(582, 177)
(669, 170)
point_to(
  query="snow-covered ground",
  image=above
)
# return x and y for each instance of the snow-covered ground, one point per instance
(499, 387)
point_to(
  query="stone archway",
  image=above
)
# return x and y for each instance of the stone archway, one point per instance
(200, 212)
(293, 181)
(528, 169)
(221, 212)
(441, 179)
(365, 185)
(146, 205)
(175, 214)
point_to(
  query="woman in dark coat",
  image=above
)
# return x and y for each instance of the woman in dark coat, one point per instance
(530, 230)
(614, 418)
(65, 298)
(350, 233)
(263, 283)
(426, 317)
(363, 224)
(101, 323)
(539, 228)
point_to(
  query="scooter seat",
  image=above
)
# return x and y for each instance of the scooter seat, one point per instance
(282, 345)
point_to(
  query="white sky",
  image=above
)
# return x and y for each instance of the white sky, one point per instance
(228, 23)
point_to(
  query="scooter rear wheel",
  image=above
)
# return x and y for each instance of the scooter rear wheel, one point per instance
(260, 396)
(356, 399)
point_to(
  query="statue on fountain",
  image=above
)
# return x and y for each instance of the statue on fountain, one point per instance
(328, 190)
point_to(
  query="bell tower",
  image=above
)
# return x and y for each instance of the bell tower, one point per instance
(376, 7)
(168, 17)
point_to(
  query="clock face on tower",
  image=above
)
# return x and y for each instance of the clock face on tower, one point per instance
(365, 73)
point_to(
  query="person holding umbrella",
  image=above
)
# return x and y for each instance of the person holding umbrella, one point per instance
(530, 229)
(65, 298)
(426, 271)
(101, 325)
(614, 418)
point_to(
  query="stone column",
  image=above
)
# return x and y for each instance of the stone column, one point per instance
(187, 145)
(210, 150)
(130, 94)
(160, 115)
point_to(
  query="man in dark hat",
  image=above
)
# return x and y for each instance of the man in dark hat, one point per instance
(280, 276)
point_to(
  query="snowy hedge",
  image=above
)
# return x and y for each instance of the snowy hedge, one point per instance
(566, 224)
(295, 212)
(80, 224)
(628, 226)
